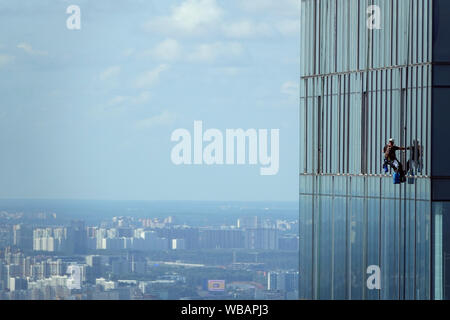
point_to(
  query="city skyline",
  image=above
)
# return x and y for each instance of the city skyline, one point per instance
(147, 257)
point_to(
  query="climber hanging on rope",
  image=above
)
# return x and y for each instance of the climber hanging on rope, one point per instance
(390, 159)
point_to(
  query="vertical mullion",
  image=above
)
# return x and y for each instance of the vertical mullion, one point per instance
(369, 136)
(382, 91)
(396, 34)
(387, 74)
(348, 124)
(358, 35)
(339, 124)
(373, 132)
(336, 36)
(391, 29)
(390, 109)
(306, 126)
(344, 122)
(331, 126)
(332, 238)
(417, 31)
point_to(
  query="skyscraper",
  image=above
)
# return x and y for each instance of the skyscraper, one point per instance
(78, 237)
(373, 70)
(23, 236)
(95, 267)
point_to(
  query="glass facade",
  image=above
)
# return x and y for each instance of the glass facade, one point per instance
(359, 87)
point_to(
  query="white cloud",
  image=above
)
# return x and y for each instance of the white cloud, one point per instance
(246, 29)
(29, 49)
(150, 77)
(110, 72)
(190, 17)
(170, 50)
(5, 59)
(203, 17)
(117, 100)
(291, 89)
(143, 97)
(209, 52)
(278, 7)
(163, 119)
(167, 50)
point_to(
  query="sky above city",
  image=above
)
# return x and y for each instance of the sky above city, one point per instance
(89, 113)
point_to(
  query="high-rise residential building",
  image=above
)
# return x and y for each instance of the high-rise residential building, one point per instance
(370, 71)
(189, 234)
(282, 281)
(178, 244)
(57, 267)
(94, 271)
(50, 239)
(3, 276)
(23, 236)
(289, 243)
(261, 238)
(106, 285)
(78, 237)
(221, 239)
(16, 283)
(252, 222)
(272, 281)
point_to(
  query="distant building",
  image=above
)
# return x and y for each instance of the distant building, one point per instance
(125, 232)
(17, 284)
(105, 285)
(272, 281)
(150, 241)
(120, 266)
(11, 271)
(78, 237)
(178, 244)
(286, 281)
(250, 222)
(222, 239)
(189, 234)
(23, 236)
(55, 287)
(261, 238)
(288, 243)
(2, 276)
(50, 239)
(94, 270)
(57, 268)
(216, 285)
(106, 295)
(91, 232)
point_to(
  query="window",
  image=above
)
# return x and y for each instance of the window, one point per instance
(364, 132)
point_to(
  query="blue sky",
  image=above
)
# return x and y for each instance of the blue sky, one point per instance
(88, 114)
